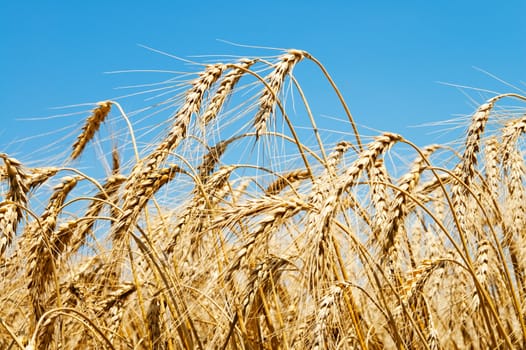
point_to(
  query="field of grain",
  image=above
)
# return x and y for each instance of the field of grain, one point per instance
(227, 224)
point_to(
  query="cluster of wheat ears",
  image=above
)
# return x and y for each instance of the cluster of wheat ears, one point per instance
(234, 228)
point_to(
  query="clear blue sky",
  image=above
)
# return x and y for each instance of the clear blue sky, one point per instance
(386, 56)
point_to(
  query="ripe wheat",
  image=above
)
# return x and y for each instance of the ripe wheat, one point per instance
(233, 229)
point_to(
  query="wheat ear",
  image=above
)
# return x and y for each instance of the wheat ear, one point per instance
(285, 180)
(153, 319)
(365, 161)
(267, 100)
(379, 197)
(481, 270)
(147, 188)
(83, 226)
(320, 326)
(12, 213)
(398, 208)
(492, 165)
(466, 169)
(225, 88)
(92, 125)
(43, 253)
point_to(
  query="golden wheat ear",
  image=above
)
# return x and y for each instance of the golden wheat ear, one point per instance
(275, 80)
(92, 125)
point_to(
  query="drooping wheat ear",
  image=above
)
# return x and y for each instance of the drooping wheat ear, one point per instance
(261, 280)
(42, 253)
(416, 279)
(492, 172)
(269, 96)
(326, 197)
(141, 178)
(112, 307)
(398, 207)
(513, 167)
(365, 161)
(153, 319)
(335, 156)
(83, 226)
(325, 309)
(510, 134)
(191, 106)
(128, 217)
(285, 180)
(318, 233)
(468, 162)
(12, 213)
(17, 178)
(515, 216)
(148, 186)
(271, 213)
(318, 255)
(92, 125)
(40, 175)
(472, 144)
(323, 183)
(9, 219)
(193, 218)
(225, 88)
(379, 197)
(481, 270)
(211, 158)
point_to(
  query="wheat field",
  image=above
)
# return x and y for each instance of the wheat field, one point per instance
(228, 223)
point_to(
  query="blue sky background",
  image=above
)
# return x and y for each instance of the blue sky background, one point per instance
(386, 56)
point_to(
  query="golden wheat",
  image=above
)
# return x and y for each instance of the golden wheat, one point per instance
(211, 236)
